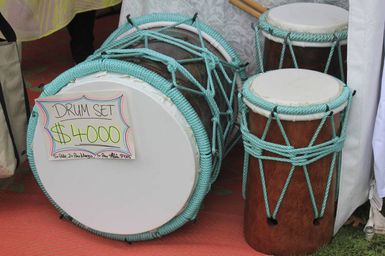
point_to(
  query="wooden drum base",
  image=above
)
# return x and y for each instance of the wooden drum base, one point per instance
(296, 232)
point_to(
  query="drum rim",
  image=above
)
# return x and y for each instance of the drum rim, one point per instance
(302, 37)
(325, 26)
(158, 82)
(338, 103)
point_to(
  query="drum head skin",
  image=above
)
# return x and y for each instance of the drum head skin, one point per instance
(126, 196)
(295, 88)
(309, 17)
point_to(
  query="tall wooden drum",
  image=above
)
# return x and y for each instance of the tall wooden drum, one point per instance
(304, 35)
(293, 137)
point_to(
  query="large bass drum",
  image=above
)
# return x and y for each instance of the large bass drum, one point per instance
(180, 77)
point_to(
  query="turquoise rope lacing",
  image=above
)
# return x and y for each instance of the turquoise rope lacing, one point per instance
(210, 151)
(288, 39)
(214, 66)
(178, 19)
(298, 157)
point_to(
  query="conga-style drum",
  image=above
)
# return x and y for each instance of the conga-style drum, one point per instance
(169, 81)
(293, 135)
(303, 35)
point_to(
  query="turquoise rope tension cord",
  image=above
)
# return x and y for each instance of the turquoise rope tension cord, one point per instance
(120, 48)
(257, 147)
(289, 37)
(109, 58)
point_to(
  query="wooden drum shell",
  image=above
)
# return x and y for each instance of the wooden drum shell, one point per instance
(314, 58)
(296, 233)
(196, 69)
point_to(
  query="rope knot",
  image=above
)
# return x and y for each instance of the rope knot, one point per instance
(297, 161)
(215, 119)
(210, 59)
(287, 37)
(251, 148)
(209, 93)
(258, 151)
(336, 38)
(171, 67)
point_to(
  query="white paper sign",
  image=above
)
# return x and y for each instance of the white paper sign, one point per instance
(87, 125)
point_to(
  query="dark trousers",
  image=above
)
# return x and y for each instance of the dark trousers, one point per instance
(81, 30)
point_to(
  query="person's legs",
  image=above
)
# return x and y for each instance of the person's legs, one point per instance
(81, 30)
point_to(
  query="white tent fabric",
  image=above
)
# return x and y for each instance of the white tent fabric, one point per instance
(376, 222)
(379, 142)
(365, 40)
(366, 26)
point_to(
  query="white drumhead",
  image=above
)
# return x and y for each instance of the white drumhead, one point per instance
(308, 18)
(127, 196)
(295, 87)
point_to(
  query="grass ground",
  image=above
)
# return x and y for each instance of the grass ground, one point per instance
(351, 241)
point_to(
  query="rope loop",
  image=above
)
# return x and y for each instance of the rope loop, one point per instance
(298, 160)
(274, 111)
(336, 39)
(287, 38)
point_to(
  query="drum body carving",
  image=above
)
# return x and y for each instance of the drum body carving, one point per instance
(291, 174)
(304, 35)
(179, 77)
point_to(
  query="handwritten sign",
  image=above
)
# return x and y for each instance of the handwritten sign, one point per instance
(87, 125)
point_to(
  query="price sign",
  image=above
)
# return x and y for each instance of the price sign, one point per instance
(87, 125)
